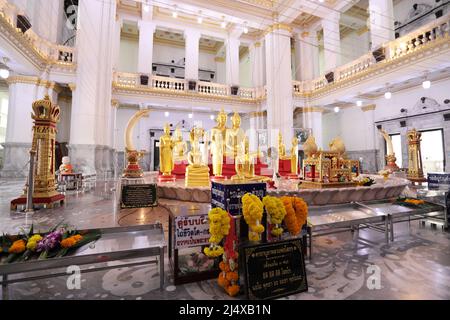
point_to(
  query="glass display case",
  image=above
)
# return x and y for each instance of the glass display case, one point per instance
(437, 196)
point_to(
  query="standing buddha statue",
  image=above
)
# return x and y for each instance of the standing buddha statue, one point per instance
(218, 143)
(197, 172)
(281, 148)
(180, 148)
(294, 156)
(166, 145)
(234, 137)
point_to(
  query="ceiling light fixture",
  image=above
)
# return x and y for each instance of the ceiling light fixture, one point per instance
(337, 109)
(146, 7)
(4, 71)
(223, 25)
(166, 114)
(359, 103)
(199, 18)
(426, 84)
(174, 14)
(387, 95)
(190, 115)
(211, 117)
(245, 27)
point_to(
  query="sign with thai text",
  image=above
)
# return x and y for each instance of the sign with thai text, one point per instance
(191, 231)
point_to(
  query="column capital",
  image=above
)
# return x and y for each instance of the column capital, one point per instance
(279, 27)
(192, 34)
(115, 103)
(72, 86)
(369, 107)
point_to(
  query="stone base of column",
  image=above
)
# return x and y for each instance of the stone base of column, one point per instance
(92, 159)
(16, 157)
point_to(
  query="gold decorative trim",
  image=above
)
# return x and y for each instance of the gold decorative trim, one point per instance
(278, 26)
(219, 59)
(256, 114)
(257, 44)
(362, 30)
(115, 103)
(369, 107)
(22, 79)
(309, 110)
(72, 86)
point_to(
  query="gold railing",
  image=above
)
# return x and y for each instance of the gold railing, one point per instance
(47, 51)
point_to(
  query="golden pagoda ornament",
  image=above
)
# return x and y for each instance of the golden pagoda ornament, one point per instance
(45, 115)
(415, 171)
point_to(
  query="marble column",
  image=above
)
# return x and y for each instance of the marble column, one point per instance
(381, 22)
(116, 170)
(18, 130)
(145, 56)
(312, 119)
(192, 38)
(279, 83)
(48, 20)
(331, 41)
(116, 43)
(307, 55)
(257, 67)
(232, 60)
(89, 132)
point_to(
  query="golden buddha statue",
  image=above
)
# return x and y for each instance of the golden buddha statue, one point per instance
(218, 143)
(282, 148)
(197, 172)
(294, 156)
(166, 145)
(180, 148)
(234, 137)
(245, 165)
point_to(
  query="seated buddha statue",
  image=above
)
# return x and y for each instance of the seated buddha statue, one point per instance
(197, 172)
(180, 147)
(234, 137)
(245, 165)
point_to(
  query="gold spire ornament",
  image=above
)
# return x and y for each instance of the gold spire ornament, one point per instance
(217, 146)
(415, 171)
(46, 116)
(197, 172)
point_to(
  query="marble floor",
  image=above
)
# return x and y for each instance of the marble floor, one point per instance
(415, 266)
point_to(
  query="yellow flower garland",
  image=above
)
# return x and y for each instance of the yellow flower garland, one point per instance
(219, 226)
(252, 209)
(276, 213)
(33, 241)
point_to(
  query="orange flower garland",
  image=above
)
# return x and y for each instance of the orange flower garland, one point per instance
(18, 246)
(296, 214)
(71, 241)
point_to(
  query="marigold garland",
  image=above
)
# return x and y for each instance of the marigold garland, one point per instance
(276, 213)
(17, 246)
(296, 214)
(219, 226)
(252, 209)
(71, 241)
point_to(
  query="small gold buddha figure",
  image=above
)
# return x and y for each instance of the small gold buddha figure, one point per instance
(282, 148)
(180, 148)
(166, 145)
(217, 146)
(234, 137)
(197, 172)
(245, 165)
(294, 156)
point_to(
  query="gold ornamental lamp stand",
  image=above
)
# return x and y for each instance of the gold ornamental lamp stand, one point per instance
(415, 168)
(45, 115)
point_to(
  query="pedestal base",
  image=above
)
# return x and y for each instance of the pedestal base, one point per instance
(323, 185)
(197, 177)
(292, 176)
(217, 178)
(48, 202)
(163, 178)
(284, 167)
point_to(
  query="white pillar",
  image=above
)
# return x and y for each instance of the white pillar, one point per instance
(279, 84)
(65, 106)
(312, 118)
(381, 22)
(331, 41)
(116, 43)
(220, 70)
(256, 61)
(145, 56)
(89, 132)
(48, 19)
(192, 38)
(232, 60)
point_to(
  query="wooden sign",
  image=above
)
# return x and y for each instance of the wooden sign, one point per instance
(274, 270)
(138, 196)
(191, 231)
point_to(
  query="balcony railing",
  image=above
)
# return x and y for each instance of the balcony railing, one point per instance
(151, 82)
(45, 49)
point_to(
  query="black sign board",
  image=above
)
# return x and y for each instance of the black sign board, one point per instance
(438, 180)
(274, 270)
(138, 196)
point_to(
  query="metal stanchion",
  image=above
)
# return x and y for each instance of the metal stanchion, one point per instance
(30, 189)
